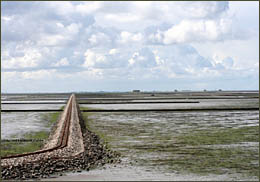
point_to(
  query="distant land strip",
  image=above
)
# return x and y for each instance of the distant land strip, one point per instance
(174, 102)
(172, 98)
(148, 98)
(136, 110)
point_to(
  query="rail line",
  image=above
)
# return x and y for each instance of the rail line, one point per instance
(63, 141)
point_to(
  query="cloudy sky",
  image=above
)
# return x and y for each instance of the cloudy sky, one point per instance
(121, 46)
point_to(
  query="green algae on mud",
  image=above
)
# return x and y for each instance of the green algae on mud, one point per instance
(214, 158)
(222, 136)
(89, 125)
(215, 149)
(18, 147)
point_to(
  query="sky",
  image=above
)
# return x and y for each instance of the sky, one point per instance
(121, 46)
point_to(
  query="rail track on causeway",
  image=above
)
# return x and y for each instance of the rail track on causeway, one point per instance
(62, 142)
(71, 146)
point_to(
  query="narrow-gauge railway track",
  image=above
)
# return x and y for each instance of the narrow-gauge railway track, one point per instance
(71, 146)
(62, 142)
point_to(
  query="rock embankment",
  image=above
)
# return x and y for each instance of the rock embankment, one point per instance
(84, 151)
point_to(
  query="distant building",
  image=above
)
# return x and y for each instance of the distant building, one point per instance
(136, 91)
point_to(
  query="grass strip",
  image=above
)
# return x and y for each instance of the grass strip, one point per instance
(90, 125)
(12, 148)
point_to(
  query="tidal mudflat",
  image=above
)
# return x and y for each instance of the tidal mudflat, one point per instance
(201, 143)
(26, 125)
(204, 145)
(177, 146)
(15, 125)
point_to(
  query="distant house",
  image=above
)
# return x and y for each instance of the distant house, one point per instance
(136, 91)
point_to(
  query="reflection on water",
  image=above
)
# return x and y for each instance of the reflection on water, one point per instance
(15, 125)
(31, 106)
(203, 103)
(137, 135)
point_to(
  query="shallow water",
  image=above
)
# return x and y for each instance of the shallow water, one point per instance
(137, 136)
(204, 103)
(31, 106)
(15, 125)
(137, 129)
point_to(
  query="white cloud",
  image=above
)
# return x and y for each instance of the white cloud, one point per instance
(8, 75)
(30, 58)
(61, 8)
(138, 15)
(221, 60)
(62, 62)
(156, 37)
(113, 51)
(143, 58)
(6, 18)
(89, 7)
(204, 9)
(122, 18)
(73, 28)
(94, 73)
(99, 38)
(62, 37)
(130, 40)
(60, 25)
(198, 30)
(52, 40)
(35, 75)
(93, 59)
(128, 37)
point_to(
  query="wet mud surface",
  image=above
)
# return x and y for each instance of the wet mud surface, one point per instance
(176, 146)
(15, 125)
(148, 143)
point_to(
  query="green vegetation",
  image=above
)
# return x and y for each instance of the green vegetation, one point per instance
(212, 150)
(11, 148)
(51, 118)
(18, 147)
(190, 153)
(221, 136)
(218, 161)
(90, 125)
